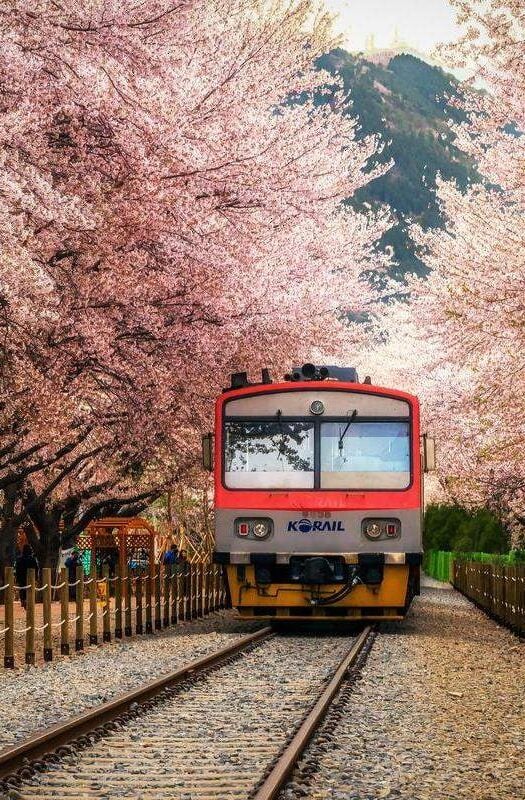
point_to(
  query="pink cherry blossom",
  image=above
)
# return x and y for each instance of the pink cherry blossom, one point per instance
(460, 343)
(170, 210)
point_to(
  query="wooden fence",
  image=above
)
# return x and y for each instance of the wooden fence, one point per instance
(499, 590)
(118, 606)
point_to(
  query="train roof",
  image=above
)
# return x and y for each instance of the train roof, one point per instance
(320, 378)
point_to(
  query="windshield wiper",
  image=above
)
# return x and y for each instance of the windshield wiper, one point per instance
(351, 419)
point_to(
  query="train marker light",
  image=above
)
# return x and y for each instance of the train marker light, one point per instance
(243, 529)
(391, 529)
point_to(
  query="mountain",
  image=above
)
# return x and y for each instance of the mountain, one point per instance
(404, 100)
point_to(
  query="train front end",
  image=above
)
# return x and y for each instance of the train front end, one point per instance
(318, 497)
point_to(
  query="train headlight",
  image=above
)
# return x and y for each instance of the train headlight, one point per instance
(260, 529)
(373, 530)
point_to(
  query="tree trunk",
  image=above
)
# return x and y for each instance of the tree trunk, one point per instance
(44, 533)
(9, 524)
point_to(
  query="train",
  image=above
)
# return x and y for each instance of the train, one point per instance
(318, 486)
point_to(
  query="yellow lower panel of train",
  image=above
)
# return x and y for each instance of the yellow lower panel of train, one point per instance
(389, 599)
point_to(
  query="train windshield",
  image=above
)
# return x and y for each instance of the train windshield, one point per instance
(269, 455)
(365, 455)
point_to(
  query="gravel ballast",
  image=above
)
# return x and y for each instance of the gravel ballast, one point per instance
(439, 713)
(211, 740)
(32, 698)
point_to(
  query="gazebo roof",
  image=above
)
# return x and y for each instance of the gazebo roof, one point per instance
(125, 525)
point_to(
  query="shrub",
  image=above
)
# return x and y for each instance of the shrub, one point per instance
(455, 528)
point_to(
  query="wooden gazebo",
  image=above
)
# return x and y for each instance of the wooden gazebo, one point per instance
(120, 541)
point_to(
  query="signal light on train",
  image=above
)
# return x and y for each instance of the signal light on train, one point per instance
(260, 529)
(243, 529)
(391, 529)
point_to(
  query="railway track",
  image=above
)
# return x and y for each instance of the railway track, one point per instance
(230, 725)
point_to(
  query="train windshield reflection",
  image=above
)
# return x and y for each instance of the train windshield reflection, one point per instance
(269, 455)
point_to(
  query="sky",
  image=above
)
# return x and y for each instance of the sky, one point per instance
(422, 24)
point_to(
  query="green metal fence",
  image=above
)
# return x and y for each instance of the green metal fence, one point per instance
(439, 564)
(510, 559)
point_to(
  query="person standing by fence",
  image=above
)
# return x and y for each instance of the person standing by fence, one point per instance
(182, 560)
(171, 556)
(24, 562)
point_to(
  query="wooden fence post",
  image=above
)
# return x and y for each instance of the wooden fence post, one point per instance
(214, 603)
(64, 612)
(79, 609)
(223, 595)
(518, 604)
(188, 586)
(127, 607)
(138, 600)
(9, 615)
(106, 612)
(218, 587)
(30, 617)
(193, 591)
(93, 623)
(181, 592)
(118, 603)
(166, 615)
(206, 589)
(149, 600)
(211, 577)
(46, 608)
(198, 593)
(158, 622)
(174, 594)
(218, 574)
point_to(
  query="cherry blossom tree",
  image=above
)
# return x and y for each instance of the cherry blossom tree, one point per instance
(171, 210)
(460, 341)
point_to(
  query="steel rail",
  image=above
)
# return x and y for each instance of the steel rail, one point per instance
(47, 741)
(282, 769)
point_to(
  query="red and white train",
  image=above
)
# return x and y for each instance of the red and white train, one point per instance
(318, 495)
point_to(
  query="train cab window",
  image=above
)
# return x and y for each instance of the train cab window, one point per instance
(365, 455)
(269, 455)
